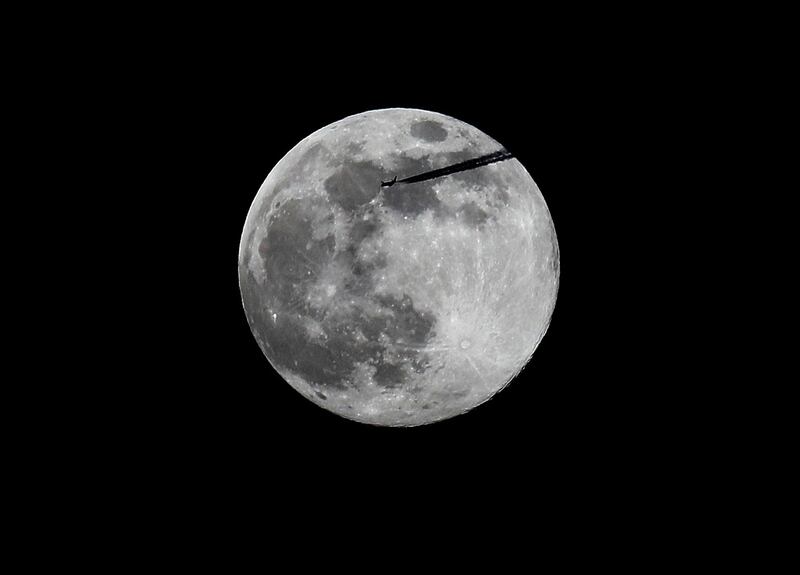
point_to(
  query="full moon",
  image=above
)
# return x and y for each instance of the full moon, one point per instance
(406, 304)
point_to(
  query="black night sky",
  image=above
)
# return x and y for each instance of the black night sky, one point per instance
(586, 400)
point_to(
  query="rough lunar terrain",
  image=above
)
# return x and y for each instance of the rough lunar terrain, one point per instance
(401, 305)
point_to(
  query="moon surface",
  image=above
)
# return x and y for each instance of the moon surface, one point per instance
(401, 305)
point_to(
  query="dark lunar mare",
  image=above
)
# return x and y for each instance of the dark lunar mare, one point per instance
(355, 184)
(293, 261)
(413, 199)
(429, 130)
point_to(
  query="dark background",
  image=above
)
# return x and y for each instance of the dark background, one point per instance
(171, 414)
(581, 395)
(216, 121)
(164, 415)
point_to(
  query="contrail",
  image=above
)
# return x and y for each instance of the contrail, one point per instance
(454, 168)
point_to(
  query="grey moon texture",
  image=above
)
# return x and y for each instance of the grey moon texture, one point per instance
(401, 305)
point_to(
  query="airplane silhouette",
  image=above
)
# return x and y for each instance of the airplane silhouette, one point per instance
(498, 156)
(390, 183)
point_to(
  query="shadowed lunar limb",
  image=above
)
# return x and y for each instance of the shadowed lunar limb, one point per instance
(399, 305)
